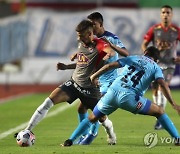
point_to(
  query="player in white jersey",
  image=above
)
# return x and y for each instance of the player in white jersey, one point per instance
(126, 92)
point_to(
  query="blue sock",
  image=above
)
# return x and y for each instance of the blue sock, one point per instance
(82, 116)
(82, 127)
(94, 128)
(168, 125)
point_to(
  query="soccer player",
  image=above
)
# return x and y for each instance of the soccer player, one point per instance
(126, 92)
(165, 37)
(90, 54)
(106, 79)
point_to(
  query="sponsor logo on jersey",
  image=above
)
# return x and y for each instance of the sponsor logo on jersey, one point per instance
(139, 105)
(82, 59)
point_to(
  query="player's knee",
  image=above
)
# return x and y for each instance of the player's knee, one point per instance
(81, 109)
(102, 119)
(159, 112)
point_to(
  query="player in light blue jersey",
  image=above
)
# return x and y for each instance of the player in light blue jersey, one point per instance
(126, 92)
(107, 78)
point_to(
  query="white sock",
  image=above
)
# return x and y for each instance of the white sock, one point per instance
(163, 101)
(155, 98)
(108, 126)
(40, 113)
(159, 100)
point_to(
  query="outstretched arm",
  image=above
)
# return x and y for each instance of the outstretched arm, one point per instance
(62, 66)
(104, 69)
(121, 51)
(167, 93)
(144, 45)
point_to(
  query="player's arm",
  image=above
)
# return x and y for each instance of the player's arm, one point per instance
(62, 66)
(104, 69)
(167, 93)
(121, 51)
(148, 37)
(177, 60)
(144, 45)
(73, 56)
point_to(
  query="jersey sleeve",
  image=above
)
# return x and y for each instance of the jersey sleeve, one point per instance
(116, 41)
(158, 73)
(101, 45)
(149, 35)
(178, 34)
(123, 61)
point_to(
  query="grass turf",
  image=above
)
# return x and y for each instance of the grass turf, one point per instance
(52, 131)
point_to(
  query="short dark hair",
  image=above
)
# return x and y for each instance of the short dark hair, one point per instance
(84, 25)
(152, 52)
(167, 6)
(96, 16)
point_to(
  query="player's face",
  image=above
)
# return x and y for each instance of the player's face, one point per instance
(86, 37)
(166, 15)
(96, 28)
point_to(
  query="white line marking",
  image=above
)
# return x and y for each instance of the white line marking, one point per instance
(23, 125)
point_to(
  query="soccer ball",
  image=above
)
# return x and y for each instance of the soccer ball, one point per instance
(25, 138)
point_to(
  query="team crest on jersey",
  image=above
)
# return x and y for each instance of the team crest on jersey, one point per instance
(159, 33)
(139, 105)
(82, 59)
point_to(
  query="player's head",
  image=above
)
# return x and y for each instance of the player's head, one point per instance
(97, 19)
(152, 52)
(85, 31)
(166, 14)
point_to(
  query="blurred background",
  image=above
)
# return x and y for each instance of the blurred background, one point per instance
(36, 34)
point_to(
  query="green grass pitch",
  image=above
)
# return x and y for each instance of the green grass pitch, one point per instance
(130, 129)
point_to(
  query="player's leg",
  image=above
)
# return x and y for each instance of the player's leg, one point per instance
(64, 93)
(153, 109)
(89, 135)
(57, 96)
(86, 123)
(157, 100)
(82, 114)
(168, 74)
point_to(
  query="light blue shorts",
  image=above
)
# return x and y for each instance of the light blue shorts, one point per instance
(104, 87)
(125, 99)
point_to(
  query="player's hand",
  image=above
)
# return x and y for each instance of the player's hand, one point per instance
(177, 108)
(74, 56)
(61, 66)
(94, 80)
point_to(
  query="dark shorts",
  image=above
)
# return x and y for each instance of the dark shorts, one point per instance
(74, 91)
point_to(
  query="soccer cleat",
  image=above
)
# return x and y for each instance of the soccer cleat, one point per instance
(15, 135)
(158, 126)
(111, 139)
(177, 142)
(88, 139)
(80, 139)
(67, 143)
